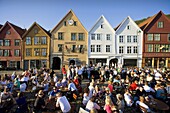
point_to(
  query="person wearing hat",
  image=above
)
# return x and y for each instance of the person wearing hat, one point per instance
(63, 103)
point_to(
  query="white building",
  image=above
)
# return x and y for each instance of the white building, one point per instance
(129, 43)
(102, 43)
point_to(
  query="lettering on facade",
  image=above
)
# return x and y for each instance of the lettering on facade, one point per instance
(71, 55)
(70, 42)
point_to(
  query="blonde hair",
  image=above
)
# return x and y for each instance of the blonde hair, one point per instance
(93, 111)
(108, 101)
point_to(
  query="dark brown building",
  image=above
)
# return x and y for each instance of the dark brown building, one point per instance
(156, 41)
(11, 46)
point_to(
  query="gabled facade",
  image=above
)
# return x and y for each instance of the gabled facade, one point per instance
(69, 42)
(101, 44)
(129, 43)
(0, 26)
(11, 46)
(156, 41)
(36, 47)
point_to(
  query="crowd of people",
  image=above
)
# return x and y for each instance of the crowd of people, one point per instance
(108, 89)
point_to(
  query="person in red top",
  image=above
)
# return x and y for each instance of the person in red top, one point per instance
(110, 86)
(64, 72)
(133, 86)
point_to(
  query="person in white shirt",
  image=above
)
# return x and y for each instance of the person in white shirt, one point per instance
(72, 88)
(147, 88)
(128, 98)
(63, 103)
(91, 104)
(91, 89)
(86, 96)
(141, 103)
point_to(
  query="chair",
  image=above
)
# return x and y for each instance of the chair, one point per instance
(81, 110)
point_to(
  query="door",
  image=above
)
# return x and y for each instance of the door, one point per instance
(18, 64)
(26, 64)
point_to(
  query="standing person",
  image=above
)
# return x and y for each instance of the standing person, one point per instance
(64, 72)
(39, 104)
(63, 103)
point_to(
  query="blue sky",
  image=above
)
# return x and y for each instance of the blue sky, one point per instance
(49, 12)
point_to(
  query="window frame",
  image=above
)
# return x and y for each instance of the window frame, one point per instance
(108, 48)
(16, 52)
(28, 41)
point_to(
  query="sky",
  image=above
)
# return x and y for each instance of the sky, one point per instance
(48, 13)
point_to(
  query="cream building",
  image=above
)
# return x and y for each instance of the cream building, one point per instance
(69, 42)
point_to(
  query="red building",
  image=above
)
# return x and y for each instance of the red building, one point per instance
(10, 46)
(156, 41)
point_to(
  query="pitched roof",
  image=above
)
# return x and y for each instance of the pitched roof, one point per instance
(119, 26)
(147, 22)
(105, 20)
(45, 31)
(19, 30)
(71, 11)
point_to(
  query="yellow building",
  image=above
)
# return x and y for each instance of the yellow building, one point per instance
(36, 47)
(69, 42)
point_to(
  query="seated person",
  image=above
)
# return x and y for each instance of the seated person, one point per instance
(52, 94)
(120, 102)
(86, 96)
(108, 93)
(108, 104)
(141, 103)
(91, 104)
(58, 84)
(63, 103)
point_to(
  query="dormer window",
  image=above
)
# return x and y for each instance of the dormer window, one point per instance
(8, 32)
(128, 27)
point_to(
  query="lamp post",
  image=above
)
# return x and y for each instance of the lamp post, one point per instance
(138, 32)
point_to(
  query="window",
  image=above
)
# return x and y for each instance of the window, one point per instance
(35, 31)
(6, 52)
(107, 48)
(73, 36)
(101, 26)
(28, 40)
(120, 39)
(160, 24)
(60, 47)
(135, 39)
(98, 36)
(157, 37)
(135, 49)
(150, 47)
(17, 42)
(150, 37)
(7, 43)
(65, 23)
(12, 63)
(73, 48)
(16, 52)
(81, 36)
(8, 32)
(169, 37)
(81, 48)
(60, 36)
(98, 48)
(157, 48)
(44, 52)
(1, 42)
(128, 39)
(108, 37)
(121, 49)
(28, 52)
(128, 49)
(128, 27)
(1, 52)
(92, 36)
(92, 48)
(36, 40)
(75, 23)
(36, 52)
(43, 40)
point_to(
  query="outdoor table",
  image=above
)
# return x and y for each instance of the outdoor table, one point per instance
(158, 105)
